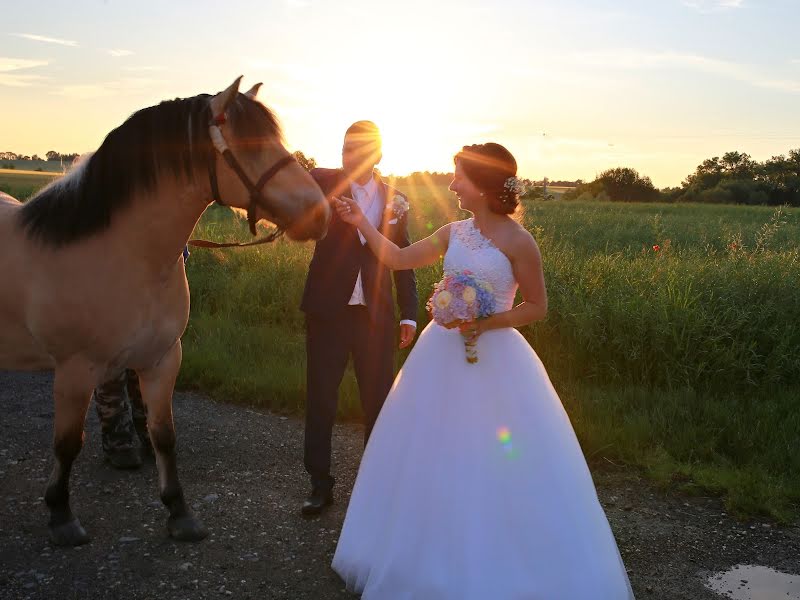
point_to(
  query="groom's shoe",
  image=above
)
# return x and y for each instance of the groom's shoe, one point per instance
(317, 501)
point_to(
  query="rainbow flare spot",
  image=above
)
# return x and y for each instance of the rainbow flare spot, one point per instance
(504, 437)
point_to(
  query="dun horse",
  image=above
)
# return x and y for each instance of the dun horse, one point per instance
(92, 275)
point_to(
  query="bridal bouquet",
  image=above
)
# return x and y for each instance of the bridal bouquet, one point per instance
(458, 298)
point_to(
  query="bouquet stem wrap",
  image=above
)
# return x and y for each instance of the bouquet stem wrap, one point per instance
(471, 348)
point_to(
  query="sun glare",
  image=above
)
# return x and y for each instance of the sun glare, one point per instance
(413, 133)
(413, 112)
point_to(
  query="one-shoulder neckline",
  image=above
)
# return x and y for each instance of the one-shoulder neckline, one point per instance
(485, 241)
(477, 230)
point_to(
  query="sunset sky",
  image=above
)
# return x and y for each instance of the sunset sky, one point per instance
(571, 88)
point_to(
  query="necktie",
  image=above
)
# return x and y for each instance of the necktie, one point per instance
(361, 197)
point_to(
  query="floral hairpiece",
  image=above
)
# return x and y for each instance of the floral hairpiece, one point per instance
(515, 185)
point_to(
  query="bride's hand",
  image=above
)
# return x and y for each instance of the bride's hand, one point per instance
(472, 329)
(348, 210)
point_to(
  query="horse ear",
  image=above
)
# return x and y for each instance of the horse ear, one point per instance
(220, 102)
(253, 91)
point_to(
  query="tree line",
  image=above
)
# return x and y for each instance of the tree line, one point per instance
(50, 155)
(733, 178)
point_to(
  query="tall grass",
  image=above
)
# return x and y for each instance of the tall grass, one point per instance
(683, 361)
(670, 318)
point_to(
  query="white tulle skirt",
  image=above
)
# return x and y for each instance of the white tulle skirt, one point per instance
(474, 486)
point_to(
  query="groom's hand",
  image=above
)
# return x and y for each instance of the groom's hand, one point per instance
(406, 334)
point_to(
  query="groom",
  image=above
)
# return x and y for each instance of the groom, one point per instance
(349, 305)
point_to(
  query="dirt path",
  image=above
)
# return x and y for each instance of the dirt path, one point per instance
(242, 470)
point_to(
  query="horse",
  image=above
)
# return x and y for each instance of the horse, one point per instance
(92, 269)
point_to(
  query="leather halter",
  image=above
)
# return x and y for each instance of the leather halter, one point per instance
(257, 198)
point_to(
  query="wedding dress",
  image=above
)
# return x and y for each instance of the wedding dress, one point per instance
(473, 484)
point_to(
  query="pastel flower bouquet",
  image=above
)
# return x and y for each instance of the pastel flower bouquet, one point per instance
(458, 298)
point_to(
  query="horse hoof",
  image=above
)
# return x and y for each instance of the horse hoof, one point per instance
(186, 529)
(68, 534)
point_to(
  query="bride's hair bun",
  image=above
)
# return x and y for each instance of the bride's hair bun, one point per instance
(493, 170)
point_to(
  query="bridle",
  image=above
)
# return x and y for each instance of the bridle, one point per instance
(257, 199)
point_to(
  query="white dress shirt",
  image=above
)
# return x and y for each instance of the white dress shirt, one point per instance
(368, 199)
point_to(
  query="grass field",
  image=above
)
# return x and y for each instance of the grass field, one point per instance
(682, 360)
(48, 166)
(23, 184)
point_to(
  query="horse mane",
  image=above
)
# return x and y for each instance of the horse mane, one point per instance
(170, 138)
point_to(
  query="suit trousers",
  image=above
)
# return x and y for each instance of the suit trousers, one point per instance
(330, 342)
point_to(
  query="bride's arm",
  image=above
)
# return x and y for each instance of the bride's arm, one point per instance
(419, 254)
(526, 261)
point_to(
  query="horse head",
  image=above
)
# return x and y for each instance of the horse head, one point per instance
(253, 170)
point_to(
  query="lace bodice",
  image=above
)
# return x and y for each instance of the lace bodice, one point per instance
(469, 249)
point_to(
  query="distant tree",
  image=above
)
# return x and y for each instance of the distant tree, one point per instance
(562, 183)
(621, 184)
(425, 178)
(624, 184)
(733, 191)
(535, 192)
(670, 194)
(307, 163)
(736, 178)
(52, 155)
(35, 157)
(739, 165)
(782, 175)
(586, 191)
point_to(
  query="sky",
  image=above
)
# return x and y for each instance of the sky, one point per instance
(571, 87)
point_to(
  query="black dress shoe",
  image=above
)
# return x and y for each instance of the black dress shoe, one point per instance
(317, 502)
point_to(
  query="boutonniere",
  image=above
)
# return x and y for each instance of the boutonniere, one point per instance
(397, 207)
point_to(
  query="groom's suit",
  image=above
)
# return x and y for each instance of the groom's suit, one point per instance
(338, 325)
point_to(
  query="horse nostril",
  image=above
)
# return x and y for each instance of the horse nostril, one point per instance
(318, 220)
(312, 223)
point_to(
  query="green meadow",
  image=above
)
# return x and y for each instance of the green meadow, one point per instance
(673, 335)
(23, 184)
(682, 361)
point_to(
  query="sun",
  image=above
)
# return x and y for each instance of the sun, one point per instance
(412, 140)
(412, 107)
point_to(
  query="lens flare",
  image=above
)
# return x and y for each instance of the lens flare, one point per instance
(504, 437)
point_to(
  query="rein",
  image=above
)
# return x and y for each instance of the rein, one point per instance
(256, 196)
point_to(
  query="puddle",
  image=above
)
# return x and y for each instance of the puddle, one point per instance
(751, 582)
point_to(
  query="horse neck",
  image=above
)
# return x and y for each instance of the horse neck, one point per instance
(159, 223)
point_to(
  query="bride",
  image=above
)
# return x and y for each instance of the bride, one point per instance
(473, 484)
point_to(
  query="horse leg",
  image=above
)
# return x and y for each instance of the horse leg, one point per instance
(72, 389)
(139, 412)
(157, 385)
